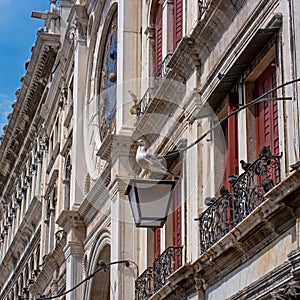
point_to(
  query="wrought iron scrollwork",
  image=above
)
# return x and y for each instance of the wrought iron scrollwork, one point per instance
(203, 6)
(248, 191)
(155, 277)
(165, 265)
(144, 285)
(144, 103)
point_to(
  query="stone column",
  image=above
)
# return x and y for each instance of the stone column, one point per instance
(200, 287)
(78, 35)
(75, 232)
(124, 244)
(33, 171)
(39, 160)
(129, 55)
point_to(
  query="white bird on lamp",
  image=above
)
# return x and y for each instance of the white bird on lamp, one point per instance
(148, 162)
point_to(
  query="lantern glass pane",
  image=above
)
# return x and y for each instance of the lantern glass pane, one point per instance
(134, 206)
(154, 200)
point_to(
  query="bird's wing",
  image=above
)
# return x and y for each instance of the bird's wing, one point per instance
(155, 164)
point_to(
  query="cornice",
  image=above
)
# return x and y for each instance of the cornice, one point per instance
(28, 99)
(96, 197)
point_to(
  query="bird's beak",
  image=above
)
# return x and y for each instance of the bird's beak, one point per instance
(136, 143)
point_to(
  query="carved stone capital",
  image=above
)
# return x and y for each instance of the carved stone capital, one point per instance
(199, 283)
(73, 225)
(74, 249)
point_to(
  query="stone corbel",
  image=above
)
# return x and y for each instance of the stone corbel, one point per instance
(180, 292)
(199, 284)
(150, 32)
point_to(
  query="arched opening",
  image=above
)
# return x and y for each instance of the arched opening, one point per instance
(101, 282)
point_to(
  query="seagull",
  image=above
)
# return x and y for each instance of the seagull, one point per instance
(148, 162)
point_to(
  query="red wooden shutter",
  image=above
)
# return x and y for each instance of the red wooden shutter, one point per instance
(158, 37)
(177, 22)
(156, 242)
(267, 113)
(176, 215)
(231, 140)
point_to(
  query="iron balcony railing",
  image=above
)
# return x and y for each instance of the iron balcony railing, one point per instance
(155, 277)
(248, 191)
(203, 6)
(144, 288)
(162, 69)
(145, 101)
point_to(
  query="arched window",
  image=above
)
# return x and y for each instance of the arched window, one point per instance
(101, 281)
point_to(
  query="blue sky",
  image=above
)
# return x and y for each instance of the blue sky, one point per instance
(18, 35)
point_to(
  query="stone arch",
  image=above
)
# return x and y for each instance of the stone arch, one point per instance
(152, 11)
(99, 286)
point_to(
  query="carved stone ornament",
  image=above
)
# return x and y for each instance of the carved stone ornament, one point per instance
(291, 292)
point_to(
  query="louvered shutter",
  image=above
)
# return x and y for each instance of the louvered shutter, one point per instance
(156, 242)
(158, 37)
(231, 140)
(176, 216)
(177, 22)
(267, 114)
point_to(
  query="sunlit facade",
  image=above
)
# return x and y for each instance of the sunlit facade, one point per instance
(104, 74)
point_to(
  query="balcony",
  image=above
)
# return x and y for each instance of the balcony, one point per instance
(248, 190)
(155, 277)
(149, 95)
(203, 6)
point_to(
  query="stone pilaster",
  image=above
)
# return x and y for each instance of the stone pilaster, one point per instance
(200, 286)
(124, 234)
(75, 232)
(78, 34)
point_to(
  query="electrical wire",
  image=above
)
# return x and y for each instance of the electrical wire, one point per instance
(103, 266)
(261, 98)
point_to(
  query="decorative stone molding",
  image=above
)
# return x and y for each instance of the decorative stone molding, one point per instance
(74, 249)
(290, 292)
(150, 32)
(51, 263)
(73, 225)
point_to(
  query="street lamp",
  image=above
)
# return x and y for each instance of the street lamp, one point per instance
(150, 201)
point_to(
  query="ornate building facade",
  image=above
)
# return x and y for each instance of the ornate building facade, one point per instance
(106, 73)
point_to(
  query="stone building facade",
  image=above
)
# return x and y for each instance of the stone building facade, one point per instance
(104, 74)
